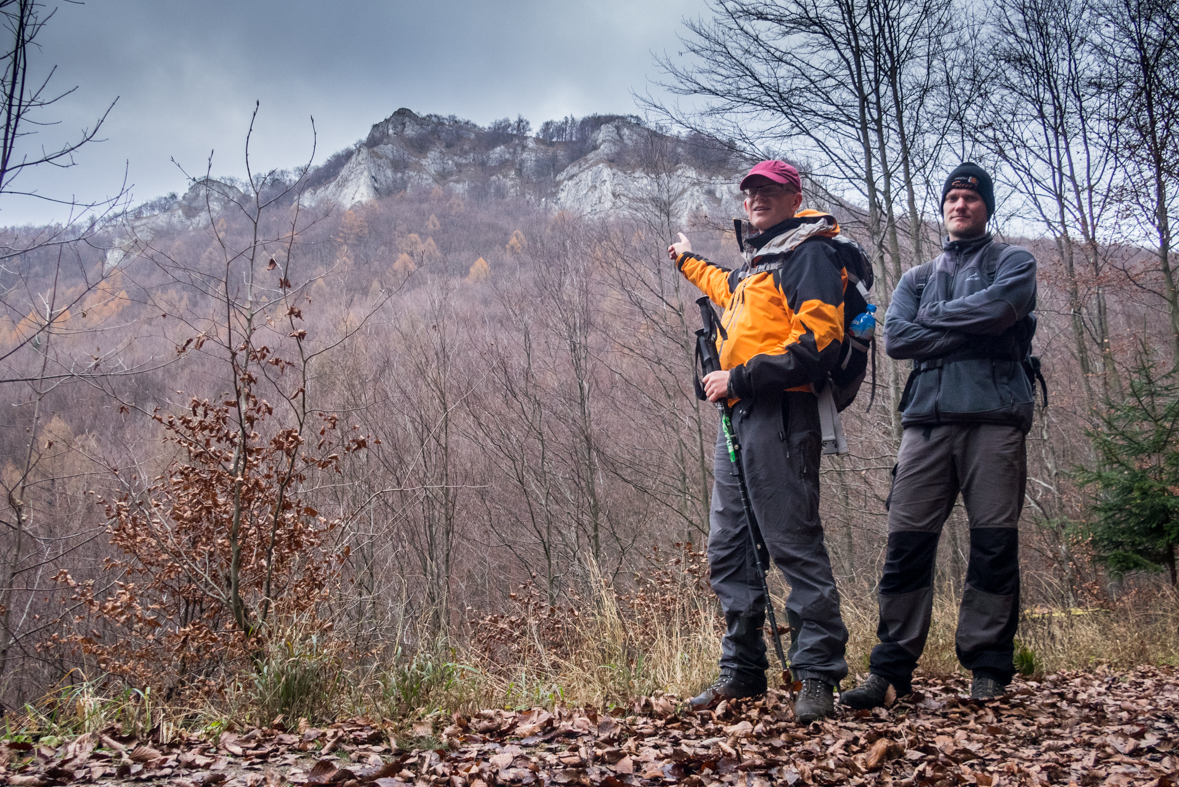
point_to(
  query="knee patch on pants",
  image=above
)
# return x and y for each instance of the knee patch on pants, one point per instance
(909, 562)
(994, 560)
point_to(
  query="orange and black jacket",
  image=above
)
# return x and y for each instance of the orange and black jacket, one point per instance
(783, 310)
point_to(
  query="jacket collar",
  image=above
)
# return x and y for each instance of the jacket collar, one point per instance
(966, 245)
(759, 239)
(786, 235)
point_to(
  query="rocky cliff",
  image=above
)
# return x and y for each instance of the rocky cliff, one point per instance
(618, 165)
(597, 166)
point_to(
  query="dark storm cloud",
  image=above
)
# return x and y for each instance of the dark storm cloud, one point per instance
(187, 75)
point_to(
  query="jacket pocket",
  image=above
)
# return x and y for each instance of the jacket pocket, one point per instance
(1013, 383)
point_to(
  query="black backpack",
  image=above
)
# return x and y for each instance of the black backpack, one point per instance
(847, 376)
(852, 368)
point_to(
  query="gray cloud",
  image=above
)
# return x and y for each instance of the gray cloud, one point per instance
(187, 75)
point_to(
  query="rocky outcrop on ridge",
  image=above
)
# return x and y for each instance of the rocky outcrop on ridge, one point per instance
(618, 167)
(601, 165)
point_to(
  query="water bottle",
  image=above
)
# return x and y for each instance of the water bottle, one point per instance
(864, 325)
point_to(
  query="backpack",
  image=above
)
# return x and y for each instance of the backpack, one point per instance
(849, 372)
(845, 379)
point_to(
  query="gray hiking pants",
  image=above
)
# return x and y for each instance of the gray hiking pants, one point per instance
(987, 463)
(780, 445)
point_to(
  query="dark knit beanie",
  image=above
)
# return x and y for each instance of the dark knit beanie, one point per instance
(969, 175)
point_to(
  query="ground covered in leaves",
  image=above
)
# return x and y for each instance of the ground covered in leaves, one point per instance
(1087, 728)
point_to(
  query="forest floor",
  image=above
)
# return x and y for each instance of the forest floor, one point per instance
(1103, 727)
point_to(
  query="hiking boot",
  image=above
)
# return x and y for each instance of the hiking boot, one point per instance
(729, 686)
(869, 694)
(984, 687)
(815, 701)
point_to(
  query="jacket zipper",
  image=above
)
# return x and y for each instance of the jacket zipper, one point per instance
(956, 257)
(739, 295)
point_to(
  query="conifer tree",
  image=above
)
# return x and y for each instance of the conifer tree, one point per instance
(1134, 522)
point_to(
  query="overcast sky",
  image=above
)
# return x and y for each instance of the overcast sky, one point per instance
(186, 74)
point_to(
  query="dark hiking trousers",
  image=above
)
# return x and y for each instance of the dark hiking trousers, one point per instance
(987, 463)
(780, 444)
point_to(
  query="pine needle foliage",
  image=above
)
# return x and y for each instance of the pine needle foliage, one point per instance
(1134, 513)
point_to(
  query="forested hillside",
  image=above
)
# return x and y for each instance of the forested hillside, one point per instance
(274, 450)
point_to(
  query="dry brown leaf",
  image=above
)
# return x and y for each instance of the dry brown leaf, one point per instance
(23, 780)
(144, 754)
(324, 772)
(742, 729)
(79, 750)
(228, 741)
(884, 749)
(333, 742)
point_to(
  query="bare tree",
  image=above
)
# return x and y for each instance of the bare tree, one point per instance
(47, 277)
(849, 89)
(1047, 124)
(28, 285)
(512, 422)
(656, 295)
(223, 537)
(1141, 74)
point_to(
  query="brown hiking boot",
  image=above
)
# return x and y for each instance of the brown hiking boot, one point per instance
(728, 687)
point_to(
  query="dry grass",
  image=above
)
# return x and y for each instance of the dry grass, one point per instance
(674, 648)
(662, 635)
(1140, 628)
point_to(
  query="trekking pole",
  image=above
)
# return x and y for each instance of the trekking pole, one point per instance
(709, 360)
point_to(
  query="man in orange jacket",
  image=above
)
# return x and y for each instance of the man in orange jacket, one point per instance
(783, 317)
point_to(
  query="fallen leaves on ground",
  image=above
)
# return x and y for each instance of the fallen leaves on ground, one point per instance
(1084, 728)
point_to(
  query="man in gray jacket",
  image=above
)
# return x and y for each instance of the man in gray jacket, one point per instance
(965, 320)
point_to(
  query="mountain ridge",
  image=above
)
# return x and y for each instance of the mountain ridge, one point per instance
(599, 164)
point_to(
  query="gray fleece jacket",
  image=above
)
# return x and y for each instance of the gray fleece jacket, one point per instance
(966, 321)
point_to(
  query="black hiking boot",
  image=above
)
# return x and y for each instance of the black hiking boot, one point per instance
(815, 701)
(729, 686)
(872, 693)
(984, 687)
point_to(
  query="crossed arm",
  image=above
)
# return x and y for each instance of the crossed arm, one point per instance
(935, 329)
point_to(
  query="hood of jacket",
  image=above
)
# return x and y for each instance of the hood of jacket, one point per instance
(786, 235)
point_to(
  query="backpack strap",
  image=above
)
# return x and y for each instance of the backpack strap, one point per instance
(923, 273)
(990, 262)
(1030, 363)
(1031, 367)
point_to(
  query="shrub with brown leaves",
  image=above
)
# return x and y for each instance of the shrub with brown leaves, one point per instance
(212, 548)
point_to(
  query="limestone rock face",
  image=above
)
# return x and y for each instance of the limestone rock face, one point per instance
(599, 166)
(357, 182)
(206, 196)
(621, 168)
